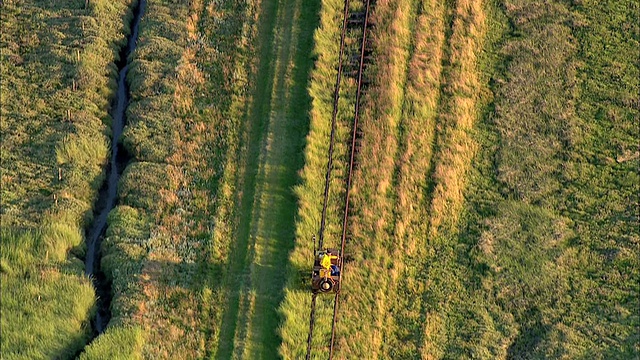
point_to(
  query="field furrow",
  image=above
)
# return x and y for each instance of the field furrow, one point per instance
(58, 77)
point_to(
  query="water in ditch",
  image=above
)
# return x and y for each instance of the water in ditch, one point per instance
(108, 193)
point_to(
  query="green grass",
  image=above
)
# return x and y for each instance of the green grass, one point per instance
(549, 229)
(46, 305)
(493, 205)
(264, 234)
(58, 78)
(296, 305)
(117, 343)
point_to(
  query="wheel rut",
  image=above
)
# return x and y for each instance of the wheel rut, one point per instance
(278, 124)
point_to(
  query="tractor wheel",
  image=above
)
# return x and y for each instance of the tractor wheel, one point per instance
(326, 285)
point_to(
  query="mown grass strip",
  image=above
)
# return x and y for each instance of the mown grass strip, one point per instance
(255, 122)
(275, 204)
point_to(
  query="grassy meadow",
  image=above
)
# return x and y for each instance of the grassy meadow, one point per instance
(494, 202)
(201, 236)
(552, 234)
(490, 218)
(58, 78)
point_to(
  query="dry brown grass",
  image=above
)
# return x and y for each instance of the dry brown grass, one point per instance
(459, 112)
(413, 165)
(459, 109)
(372, 218)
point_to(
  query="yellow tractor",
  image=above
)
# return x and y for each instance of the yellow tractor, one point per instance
(326, 271)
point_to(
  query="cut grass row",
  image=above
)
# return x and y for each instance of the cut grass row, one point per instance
(58, 77)
(417, 134)
(364, 324)
(400, 191)
(439, 265)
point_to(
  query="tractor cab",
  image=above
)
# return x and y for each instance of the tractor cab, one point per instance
(326, 271)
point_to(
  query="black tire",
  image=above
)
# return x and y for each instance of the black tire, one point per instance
(326, 282)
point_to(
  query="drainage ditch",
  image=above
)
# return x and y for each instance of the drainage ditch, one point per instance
(107, 199)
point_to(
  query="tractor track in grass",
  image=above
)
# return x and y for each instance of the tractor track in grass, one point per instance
(352, 152)
(277, 125)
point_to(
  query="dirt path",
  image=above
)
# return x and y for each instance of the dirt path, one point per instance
(265, 235)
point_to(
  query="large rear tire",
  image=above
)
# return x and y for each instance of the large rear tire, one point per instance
(326, 285)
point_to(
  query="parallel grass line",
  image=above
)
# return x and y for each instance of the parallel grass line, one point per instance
(458, 114)
(361, 329)
(418, 134)
(455, 148)
(296, 304)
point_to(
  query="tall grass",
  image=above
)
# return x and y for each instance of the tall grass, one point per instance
(46, 306)
(297, 300)
(118, 343)
(372, 218)
(459, 111)
(417, 133)
(57, 80)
